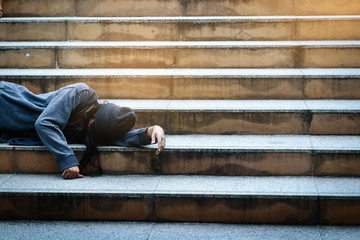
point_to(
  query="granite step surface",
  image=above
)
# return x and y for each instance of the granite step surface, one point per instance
(235, 155)
(121, 8)
(175, 54)
(209, 28)
(336, 83)
(154, 231)
(251, 200)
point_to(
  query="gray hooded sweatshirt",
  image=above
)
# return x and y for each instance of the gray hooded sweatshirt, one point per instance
(51, 119)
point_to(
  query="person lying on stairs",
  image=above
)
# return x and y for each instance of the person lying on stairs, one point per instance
(71, 114)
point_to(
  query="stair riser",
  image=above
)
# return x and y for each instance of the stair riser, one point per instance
(177, 8)
(338, 164)
(28, 58)
(184, 122)
(53, 8)
(258, 211)
(275, 57)
(251, 210)
(68, 207)
(339, 211)
(33, 32)
(177, 31)
(332, 89)
(246, 210)
(162, 87)
(226, 163)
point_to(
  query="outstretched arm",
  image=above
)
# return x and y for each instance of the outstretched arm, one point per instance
(143, 136)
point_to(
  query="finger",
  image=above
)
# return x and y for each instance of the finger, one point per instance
(153, 137)
(161, 145)
(162, 141)
(71, 175)
(159, 150)
(75, 175)
(66, 174)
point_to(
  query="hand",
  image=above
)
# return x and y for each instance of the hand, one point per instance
(156, 135)
(71, 173)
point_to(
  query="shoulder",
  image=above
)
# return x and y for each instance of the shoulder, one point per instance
(78, 90)
(79, 87)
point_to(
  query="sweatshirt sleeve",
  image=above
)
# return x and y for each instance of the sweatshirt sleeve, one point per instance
(134, 138)
(55, 117)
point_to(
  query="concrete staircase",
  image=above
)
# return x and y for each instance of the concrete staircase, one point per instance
(260, 101)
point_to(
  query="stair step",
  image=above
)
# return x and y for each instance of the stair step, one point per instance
(248, 116)
(232, 28)
(156, 231)
(256, 200)
(186, 50)
(232, 54)
(235, 155)
(197, 83)
(120, 8)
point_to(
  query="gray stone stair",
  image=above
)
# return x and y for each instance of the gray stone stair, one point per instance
(264, 92)
(335, 83)
(209, 28)
(234, 155)
(190, 54)
(257, 200)
(121, 8)
(248, 116)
